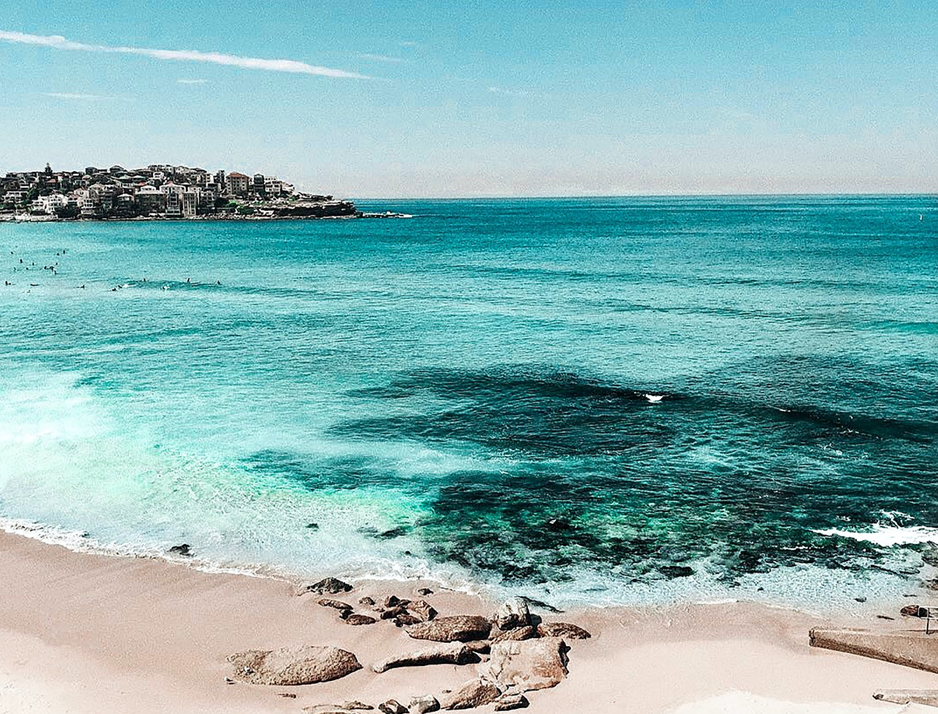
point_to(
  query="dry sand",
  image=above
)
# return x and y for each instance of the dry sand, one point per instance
(83, 633)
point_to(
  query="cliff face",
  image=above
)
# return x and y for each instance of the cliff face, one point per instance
(316, 209)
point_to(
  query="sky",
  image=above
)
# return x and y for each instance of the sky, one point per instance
(482, 98)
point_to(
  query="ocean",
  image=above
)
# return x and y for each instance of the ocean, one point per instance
(590, 401)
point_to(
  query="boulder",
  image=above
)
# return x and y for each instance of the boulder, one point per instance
(927, 697)
(405, 619)
(394, 601)
(293, 665)
(423, 705)
(367, 601)
(513, 613)
(528, 664)
(393, 612)
(422, 610)
(356, 619)
(424, 591)
(392, 706)
(913, 611)
(392, 533)
(507, 702)
(448, 629)
(676, 571)
(562, 629)
(449, 653)
(336, 604)
(183, 549)
(519, 633)
(479, 646)
(472, 694)
(326, 586)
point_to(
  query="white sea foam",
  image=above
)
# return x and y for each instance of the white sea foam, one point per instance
(69, 465)
(64, 462)
(654, 398)
(887, 536)
(71, 539)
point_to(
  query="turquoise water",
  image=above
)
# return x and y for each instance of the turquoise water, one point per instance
(610, 401)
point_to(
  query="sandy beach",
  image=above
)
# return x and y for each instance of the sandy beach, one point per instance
(96, 633)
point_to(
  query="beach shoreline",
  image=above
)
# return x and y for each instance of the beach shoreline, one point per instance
(83, 632)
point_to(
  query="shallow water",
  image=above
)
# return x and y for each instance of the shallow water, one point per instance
(608, 401)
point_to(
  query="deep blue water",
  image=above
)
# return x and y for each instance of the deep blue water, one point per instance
(474, 393)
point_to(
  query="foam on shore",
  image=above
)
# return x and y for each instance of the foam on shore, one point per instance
(80, 475)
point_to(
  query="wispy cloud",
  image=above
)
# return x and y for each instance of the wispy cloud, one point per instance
(381, 58)
(192, 81)
(70, 95)
(269, 65)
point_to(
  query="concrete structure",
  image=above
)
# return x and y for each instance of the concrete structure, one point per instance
(208, 195)
(912, 648)
(49, 204)
(125, 206)
(237, 184)
(172, 194)
(88, 208)
(925, 697)
(150, 200)
(190, 202)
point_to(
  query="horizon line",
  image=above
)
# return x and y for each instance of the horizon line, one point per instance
(550, 197)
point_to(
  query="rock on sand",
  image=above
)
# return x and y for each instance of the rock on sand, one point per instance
(293, 665)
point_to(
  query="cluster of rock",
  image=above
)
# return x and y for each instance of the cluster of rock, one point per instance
(516, 652)
(398, 611)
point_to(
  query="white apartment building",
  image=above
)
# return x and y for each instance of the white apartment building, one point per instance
(88, 207)
(173, 195)
(49, 204)
(190, 202)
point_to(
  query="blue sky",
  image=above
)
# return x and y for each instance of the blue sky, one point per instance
(482, 98)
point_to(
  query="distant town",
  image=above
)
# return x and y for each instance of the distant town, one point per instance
(159, 191)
